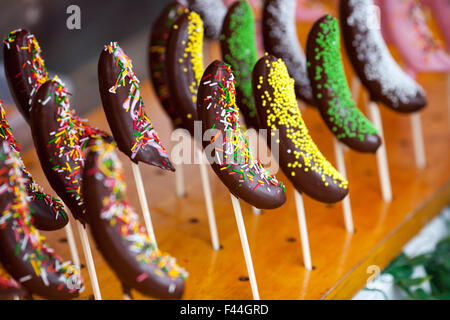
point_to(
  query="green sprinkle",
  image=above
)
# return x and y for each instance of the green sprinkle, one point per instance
(342, 111)
(242, 55)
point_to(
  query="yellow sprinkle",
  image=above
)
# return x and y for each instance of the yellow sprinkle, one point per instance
(284, 112)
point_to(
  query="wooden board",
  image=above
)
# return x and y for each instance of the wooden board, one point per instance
(340, 259)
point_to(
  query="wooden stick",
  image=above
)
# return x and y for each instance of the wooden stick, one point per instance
(245, 246)
(179, 181)
(301, 105)
(144, 203)
(355, 88)
(211, 51)
(383, 167)
(419, 147)
(89, 260)
(256, 211)
(348, 218)
(72, 245)
(126, 292)
(253, 141)
(179, 176)
(208, 200)
(303, 230)
(206, 52)
(417, 134)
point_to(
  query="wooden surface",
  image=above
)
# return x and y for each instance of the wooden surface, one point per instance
(340, 259)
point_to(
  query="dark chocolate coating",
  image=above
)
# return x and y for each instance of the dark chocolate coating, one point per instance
(181, 75)
(241, 176)
(17, 248)
(44, 121)
(281, 40)
(287, 119)
(212, 12)
(121, 120)
(48, 213)
(115, 248)
(350, 126)
(18, 71)
(11, 292)
(372, 62)
(9, 288)
(157, 57)
(243, 61)
(44, 209)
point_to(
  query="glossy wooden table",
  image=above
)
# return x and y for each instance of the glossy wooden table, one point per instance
(341, 260)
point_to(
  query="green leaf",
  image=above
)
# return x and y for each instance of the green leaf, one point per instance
(420, 260)
(420, 294)
(400, 268)
(413, 282)
(444, 296)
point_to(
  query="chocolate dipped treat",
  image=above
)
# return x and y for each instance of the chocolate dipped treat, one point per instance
(120, 238)
(23, 252)
(24, 68)
(331, 92)
(239, 50)
(184, 65)
(212, 12)
(9, 288)
(157, 57)
(226, 145)
(125, 110)
(281, 40)
(60, 138)
(299, 157)
(48, 212)
(372, 61)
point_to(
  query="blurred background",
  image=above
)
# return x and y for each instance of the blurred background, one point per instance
(73, 54)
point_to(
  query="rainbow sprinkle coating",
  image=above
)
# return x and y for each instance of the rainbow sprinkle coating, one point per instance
(122, 217)
(144, 133)
(234, 150)
(16, 215)
(342, 112)
(243, 53)
(36, 192)
(6, 281)
(70, 140)
(282, 111)
(36, 65)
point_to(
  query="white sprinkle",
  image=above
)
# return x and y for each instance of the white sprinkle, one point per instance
(381, 67)
(26, 278)
(46, 100)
